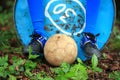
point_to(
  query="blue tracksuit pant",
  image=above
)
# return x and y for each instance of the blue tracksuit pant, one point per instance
(37, 15)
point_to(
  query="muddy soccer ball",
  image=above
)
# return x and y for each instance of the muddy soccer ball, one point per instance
(60, 48)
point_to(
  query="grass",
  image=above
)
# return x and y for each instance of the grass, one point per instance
(115, 75)
(26, 67)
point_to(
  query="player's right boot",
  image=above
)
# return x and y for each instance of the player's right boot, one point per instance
(37, 44)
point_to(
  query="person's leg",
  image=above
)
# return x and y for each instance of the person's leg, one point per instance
(92, 9)
(37, 15)
(39, 36)
(88, 42)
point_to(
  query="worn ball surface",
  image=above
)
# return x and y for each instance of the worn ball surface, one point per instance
(60, 48)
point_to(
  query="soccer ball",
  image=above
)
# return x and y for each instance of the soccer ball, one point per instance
(60, 48)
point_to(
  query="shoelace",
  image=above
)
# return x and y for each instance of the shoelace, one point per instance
(39, 38)
(35, 35)
(90, 36)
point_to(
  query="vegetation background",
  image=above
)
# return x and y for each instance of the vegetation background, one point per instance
(15, 66)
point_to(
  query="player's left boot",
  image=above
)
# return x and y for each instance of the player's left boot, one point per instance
(88, 44)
